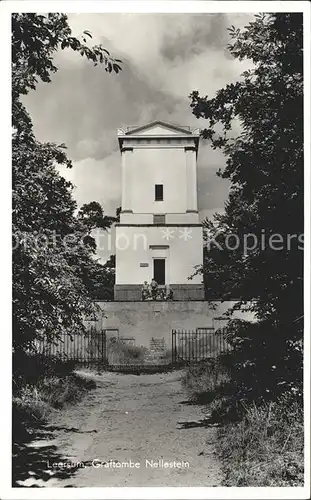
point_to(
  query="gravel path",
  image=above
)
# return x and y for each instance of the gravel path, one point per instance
(141, 420)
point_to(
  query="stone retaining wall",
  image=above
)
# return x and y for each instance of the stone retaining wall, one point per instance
(146, 320)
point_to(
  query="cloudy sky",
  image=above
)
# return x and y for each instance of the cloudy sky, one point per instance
(165, 57)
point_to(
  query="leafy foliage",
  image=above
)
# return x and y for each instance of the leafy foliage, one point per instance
(92, 215)
(100, 279)
(53, 255)
(264, 162)
(35, 39)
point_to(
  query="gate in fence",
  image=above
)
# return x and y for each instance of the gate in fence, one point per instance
(197, 345)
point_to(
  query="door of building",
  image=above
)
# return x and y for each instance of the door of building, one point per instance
(159, 271)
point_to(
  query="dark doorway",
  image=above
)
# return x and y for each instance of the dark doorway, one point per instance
(159, 271)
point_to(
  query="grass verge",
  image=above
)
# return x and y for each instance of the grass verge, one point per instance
(206, 381)
(259, 444)
(41, 386)
(266, 447)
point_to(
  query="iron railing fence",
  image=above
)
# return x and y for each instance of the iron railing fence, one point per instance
(99, 347)
(198, 345)
(82, 348)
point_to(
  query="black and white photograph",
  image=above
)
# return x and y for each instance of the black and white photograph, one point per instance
(159, 182)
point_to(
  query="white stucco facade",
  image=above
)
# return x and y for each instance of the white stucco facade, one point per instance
(138, 246)
(167, 227)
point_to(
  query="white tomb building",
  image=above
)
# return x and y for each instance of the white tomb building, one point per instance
(159, 235)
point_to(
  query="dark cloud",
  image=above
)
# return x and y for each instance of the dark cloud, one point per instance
(83, 107)
(202, 31)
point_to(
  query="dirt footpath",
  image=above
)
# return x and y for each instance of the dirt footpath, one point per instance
(144, 420)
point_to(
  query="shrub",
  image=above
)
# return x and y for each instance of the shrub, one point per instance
(36, 401)
(29, 405)
(165, 357)
(28, 369)
(206, 380)
(122, 353)
(39, 386)
(58, 391)
(265, 360)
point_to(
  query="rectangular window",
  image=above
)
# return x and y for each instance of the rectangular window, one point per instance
(159, 192)
(159, 219)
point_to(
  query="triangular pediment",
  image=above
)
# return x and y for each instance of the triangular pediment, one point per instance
(159, 128)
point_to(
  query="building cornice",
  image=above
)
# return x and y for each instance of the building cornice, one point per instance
(130, 131)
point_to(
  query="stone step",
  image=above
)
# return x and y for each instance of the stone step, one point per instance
(153, 356)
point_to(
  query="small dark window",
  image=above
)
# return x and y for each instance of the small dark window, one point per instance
(159, 192)
(159, 219)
